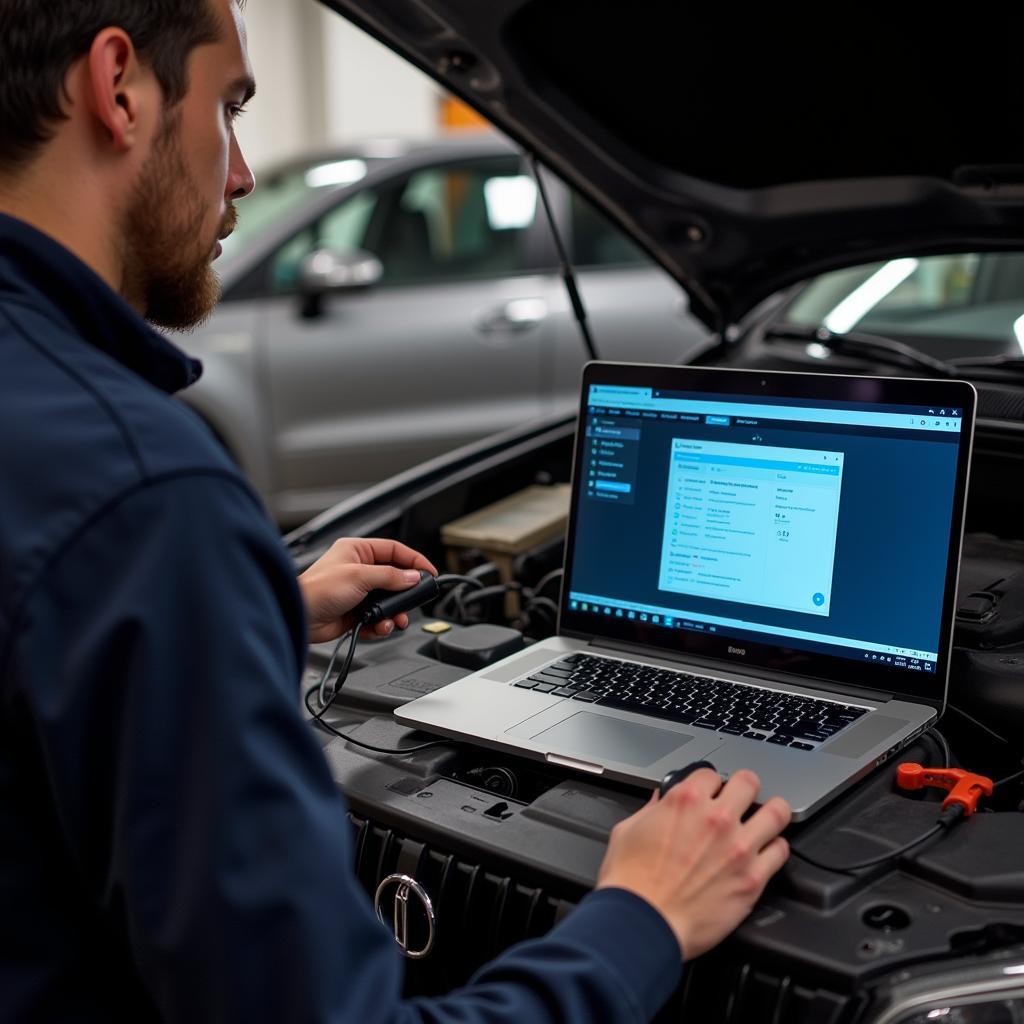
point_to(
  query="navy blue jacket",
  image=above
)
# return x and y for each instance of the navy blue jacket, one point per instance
(172, 845)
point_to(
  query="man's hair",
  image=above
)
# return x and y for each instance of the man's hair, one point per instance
(40, 41)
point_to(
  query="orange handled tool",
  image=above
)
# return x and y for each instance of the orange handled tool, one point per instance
(965, 788)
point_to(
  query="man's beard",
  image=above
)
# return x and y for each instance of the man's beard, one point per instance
(166, 258)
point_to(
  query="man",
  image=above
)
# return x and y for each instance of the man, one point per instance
(173, 844)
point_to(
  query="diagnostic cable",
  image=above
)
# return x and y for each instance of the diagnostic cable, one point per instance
(378, 605)
(965, 789)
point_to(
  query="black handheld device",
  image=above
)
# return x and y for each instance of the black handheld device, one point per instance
(677, 775)
(386, 604)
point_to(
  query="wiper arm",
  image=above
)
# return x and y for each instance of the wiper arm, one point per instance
(1005, 363)
(892, 352)
(885, 350)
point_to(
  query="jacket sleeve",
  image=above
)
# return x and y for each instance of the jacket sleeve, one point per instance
(159, 659)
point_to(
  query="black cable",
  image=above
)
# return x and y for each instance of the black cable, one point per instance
(495, 590)
(980, 725)
(871, 861)
(947, 757)
(946, 819)
(359, 743)
(325, 701)
(482, 592)
(947, 754)
(1009, 778)
(454, 577)
(442, 608)
(545, 580)
(544, 602)
(568, 277)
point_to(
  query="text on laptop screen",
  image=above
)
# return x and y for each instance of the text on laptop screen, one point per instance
(816, 525)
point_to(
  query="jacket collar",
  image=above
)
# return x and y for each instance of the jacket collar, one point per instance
(35, 265)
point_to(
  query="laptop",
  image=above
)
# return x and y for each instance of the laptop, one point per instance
(760, 571)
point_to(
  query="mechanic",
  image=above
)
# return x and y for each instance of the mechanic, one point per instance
(174, 846)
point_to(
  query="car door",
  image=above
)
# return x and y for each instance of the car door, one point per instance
(444, 350)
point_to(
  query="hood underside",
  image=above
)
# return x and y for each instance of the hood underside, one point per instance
(747, 149)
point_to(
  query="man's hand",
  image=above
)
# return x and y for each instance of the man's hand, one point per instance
(690, 856)
(334, 584)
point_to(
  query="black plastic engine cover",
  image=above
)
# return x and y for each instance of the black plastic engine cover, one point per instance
(504, 865)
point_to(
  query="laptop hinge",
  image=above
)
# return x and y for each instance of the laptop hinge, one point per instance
(754, 673)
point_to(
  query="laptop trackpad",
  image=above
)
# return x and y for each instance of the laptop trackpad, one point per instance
(601, 738)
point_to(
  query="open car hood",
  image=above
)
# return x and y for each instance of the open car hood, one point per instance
(747, 149)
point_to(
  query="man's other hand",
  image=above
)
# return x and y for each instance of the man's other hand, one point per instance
(692, 858)
(336, 583)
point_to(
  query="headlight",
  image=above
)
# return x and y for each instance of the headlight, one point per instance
(981, 1013)
(988, 994)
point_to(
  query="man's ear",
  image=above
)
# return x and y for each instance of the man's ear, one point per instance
(115, 83)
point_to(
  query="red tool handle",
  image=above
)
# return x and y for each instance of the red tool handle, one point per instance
(965, 788)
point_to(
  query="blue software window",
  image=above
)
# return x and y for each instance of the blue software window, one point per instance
(824, 527)
(752, 524)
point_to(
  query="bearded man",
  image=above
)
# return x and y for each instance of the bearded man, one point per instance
(173, 845)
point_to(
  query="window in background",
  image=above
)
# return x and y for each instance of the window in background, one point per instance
(454, 222)
(973, 296)
(285, 190)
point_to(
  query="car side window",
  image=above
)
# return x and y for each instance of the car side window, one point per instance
(459, 221)
(597, 242)
(452, 222)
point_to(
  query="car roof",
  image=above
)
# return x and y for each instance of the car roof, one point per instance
(475, 142)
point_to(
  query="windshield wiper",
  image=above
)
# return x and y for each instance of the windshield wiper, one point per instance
(1005, 363)
(884, 350)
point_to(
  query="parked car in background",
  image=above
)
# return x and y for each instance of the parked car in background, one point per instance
(385, 303)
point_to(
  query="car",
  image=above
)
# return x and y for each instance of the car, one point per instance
(835, 200)
(421, 271)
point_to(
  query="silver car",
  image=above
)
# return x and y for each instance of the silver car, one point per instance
(390, 302)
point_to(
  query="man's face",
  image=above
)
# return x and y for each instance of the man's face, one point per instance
(183, 199)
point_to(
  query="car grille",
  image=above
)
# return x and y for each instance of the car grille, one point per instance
(481, 912)
(722, 988)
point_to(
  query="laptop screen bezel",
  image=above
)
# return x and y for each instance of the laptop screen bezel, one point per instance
(824, 668)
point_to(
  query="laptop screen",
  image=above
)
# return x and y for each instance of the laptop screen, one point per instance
(811, 532)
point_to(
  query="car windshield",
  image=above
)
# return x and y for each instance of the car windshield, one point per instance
(283, 191)
(970, 304)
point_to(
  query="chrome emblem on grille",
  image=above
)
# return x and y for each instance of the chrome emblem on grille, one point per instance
(406, 887)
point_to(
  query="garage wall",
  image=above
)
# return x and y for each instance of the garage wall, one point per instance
(372, 92)
(322, 81)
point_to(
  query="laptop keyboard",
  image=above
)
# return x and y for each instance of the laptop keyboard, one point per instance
(737, 709)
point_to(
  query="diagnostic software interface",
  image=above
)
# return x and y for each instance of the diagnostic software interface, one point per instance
(810, 524)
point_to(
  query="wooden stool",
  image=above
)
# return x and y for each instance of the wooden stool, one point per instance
(509, 528)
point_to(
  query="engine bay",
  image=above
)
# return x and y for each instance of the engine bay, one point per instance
(510, 845)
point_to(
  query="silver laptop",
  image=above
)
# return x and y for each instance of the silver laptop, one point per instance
(760, 571)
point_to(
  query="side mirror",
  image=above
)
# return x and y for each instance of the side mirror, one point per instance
(328, 271)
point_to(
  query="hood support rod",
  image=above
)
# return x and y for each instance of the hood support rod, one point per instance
(578, 309)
